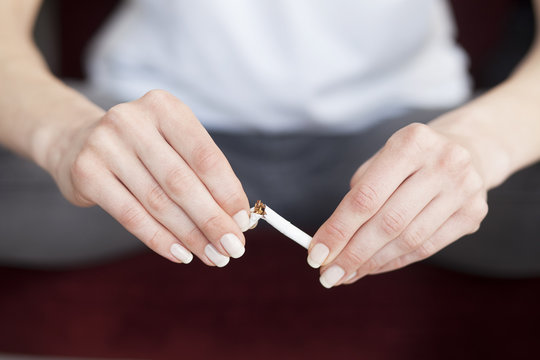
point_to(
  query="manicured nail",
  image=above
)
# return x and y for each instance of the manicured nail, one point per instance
(233, 245)
(350, 277)
(181, 253)
(242, 220)
(331, 276)
(215, 256)
(317, 255)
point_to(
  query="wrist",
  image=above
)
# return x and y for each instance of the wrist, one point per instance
(51, 141)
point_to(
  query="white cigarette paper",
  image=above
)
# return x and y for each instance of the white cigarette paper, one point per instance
(280, 224)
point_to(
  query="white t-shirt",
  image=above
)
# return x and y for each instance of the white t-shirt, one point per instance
(284, 65)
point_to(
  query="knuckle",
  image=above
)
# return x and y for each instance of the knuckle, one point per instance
(124, 118)
(114, 112)
(393, 222)
(411, 239)
(425, 250)
(82, 174)
(455, 158)
(373, 264)
(396, 263)
(474, 214)
(232, 199)
(82, 167)
(206, 158)
(161, 100)
(474, 182)
(354, 258)
(131, 217)
(210, 223)
(178, 182)
(153, 242)
(483, 208)
(156, 101)
(80, 198)
(363, 199)
(417, 131)
(100, 139)
(192, 237)
(157, 96)
(335, 229)
(116, 116)
(480, 210)
(415, 137)
(157, 199)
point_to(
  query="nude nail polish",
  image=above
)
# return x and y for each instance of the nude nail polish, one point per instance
(318, 255)
(233, 245)
(351, 276)
(242, 220)
(331, 276)
(181, 253)
(215, 256)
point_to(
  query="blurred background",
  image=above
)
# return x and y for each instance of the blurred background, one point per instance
(261, 307)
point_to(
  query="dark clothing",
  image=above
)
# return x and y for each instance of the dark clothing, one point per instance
(303, 177)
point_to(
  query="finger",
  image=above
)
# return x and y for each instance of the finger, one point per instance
(182, 185)
(392, 166)
(418, 231)
(116, 200)
(149, 193)
(426, 223)
(465, 221)
(184, 132)
(393, 217)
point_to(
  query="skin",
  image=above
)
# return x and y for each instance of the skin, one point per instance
(149, 163)
(427, 187)
(152, 166)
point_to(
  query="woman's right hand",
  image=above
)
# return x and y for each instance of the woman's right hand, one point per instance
(153, 167)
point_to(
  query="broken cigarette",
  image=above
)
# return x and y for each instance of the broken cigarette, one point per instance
(262, 211)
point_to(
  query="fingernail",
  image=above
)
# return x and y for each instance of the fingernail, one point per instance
(350, 277)
(331, 276)
(253, 220)
(233, 245)
(218, 259)
(181, 253)
(242, 220)
(317, 255)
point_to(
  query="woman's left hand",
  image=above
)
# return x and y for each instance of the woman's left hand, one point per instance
(418, 194)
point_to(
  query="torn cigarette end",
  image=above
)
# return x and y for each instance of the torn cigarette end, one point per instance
(259, 208)
(257, 212)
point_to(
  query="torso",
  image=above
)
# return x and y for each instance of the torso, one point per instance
(282, 65)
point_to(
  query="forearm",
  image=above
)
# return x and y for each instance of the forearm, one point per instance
(502, 127)
(36, 108)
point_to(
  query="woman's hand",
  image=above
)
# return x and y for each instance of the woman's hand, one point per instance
(418, 194)
(153, 167)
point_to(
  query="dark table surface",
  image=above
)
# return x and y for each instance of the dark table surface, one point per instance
(266, 305)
